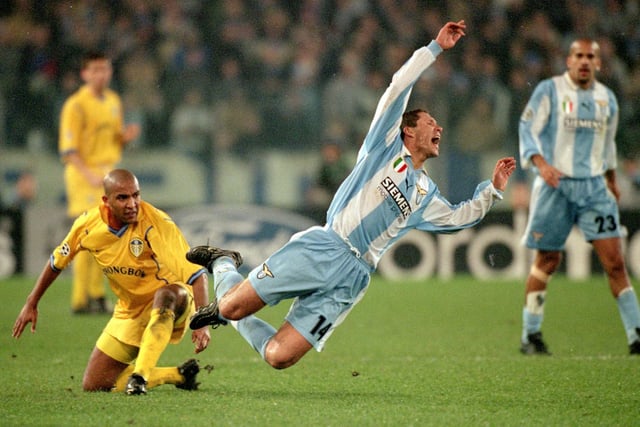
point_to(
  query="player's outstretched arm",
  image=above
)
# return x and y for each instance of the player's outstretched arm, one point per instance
(449, 35)
(503, 170)
(29, 312)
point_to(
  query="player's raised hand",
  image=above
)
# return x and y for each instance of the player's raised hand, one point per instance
(501, 173)
(449, 35)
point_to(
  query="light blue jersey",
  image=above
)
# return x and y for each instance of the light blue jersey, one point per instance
(573, 129)
(384, 197)
(327, 269)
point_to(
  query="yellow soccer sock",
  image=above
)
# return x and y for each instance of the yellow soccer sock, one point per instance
(155, 339)
(159, 376)
(121, 381)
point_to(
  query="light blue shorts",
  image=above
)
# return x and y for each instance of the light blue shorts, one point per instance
(586, 203)
(326, 279)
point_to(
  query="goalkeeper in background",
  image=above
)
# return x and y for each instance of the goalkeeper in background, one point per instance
(141, 251)
(92, 135)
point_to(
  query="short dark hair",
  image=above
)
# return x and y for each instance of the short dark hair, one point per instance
(90, 56)
(410, 118)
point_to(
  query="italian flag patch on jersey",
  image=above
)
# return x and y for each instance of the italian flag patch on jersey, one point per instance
(400, 165)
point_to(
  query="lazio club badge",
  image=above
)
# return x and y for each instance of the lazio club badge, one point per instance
(136, 246)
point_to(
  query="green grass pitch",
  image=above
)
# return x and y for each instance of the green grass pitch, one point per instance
(410, 354)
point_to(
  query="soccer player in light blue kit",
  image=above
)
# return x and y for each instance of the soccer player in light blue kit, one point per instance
(326, 270)
(567, 135)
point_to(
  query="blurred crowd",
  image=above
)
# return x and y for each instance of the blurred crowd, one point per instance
(249, 75)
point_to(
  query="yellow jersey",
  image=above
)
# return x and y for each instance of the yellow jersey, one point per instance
(91, 127)
(137, 259)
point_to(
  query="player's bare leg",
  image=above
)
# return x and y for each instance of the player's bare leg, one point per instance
(544, 265)
(102, 372)
(610, 254)
(240, 301)
(237, 302)
(169, 303)
(286, 347)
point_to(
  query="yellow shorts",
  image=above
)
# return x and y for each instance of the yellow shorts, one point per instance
(121, 338)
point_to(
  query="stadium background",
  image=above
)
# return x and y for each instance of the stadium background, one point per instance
(237, 97)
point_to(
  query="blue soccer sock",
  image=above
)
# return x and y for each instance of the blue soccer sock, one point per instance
(225, 276)
(629, 312)
(531, 323)
(532, 313)
(255, 331)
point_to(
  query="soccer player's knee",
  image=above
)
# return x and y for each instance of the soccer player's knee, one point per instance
(549, 262)
(616, 268)
(169, 296)
(278, 359)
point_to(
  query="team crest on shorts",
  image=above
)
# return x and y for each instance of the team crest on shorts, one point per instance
(265, 272)
(136, 246)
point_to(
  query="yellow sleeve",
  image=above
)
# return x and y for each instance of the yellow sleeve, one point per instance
(71, 123)
(64, 253)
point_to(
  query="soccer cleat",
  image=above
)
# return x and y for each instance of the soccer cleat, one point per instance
(209, 315)
(634, 347)
(189, 370)
(205, 255)
(136, 385)
(535, 345)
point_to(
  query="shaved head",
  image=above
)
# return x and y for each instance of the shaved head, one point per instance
(121, 197)
(116, 178)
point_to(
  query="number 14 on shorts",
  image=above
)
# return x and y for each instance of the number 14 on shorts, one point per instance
(321, 328)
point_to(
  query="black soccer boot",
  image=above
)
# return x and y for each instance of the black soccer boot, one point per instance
(208, 315)
(634, 347)
(136, 385)
(189, 370)
(535, 346)
(205, 255)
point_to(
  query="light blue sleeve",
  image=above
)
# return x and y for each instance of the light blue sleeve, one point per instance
(441, 216)
(385, 125)
(533, 122)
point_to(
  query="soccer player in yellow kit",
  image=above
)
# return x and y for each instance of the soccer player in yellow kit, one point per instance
(92, 135)
(142, 253)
